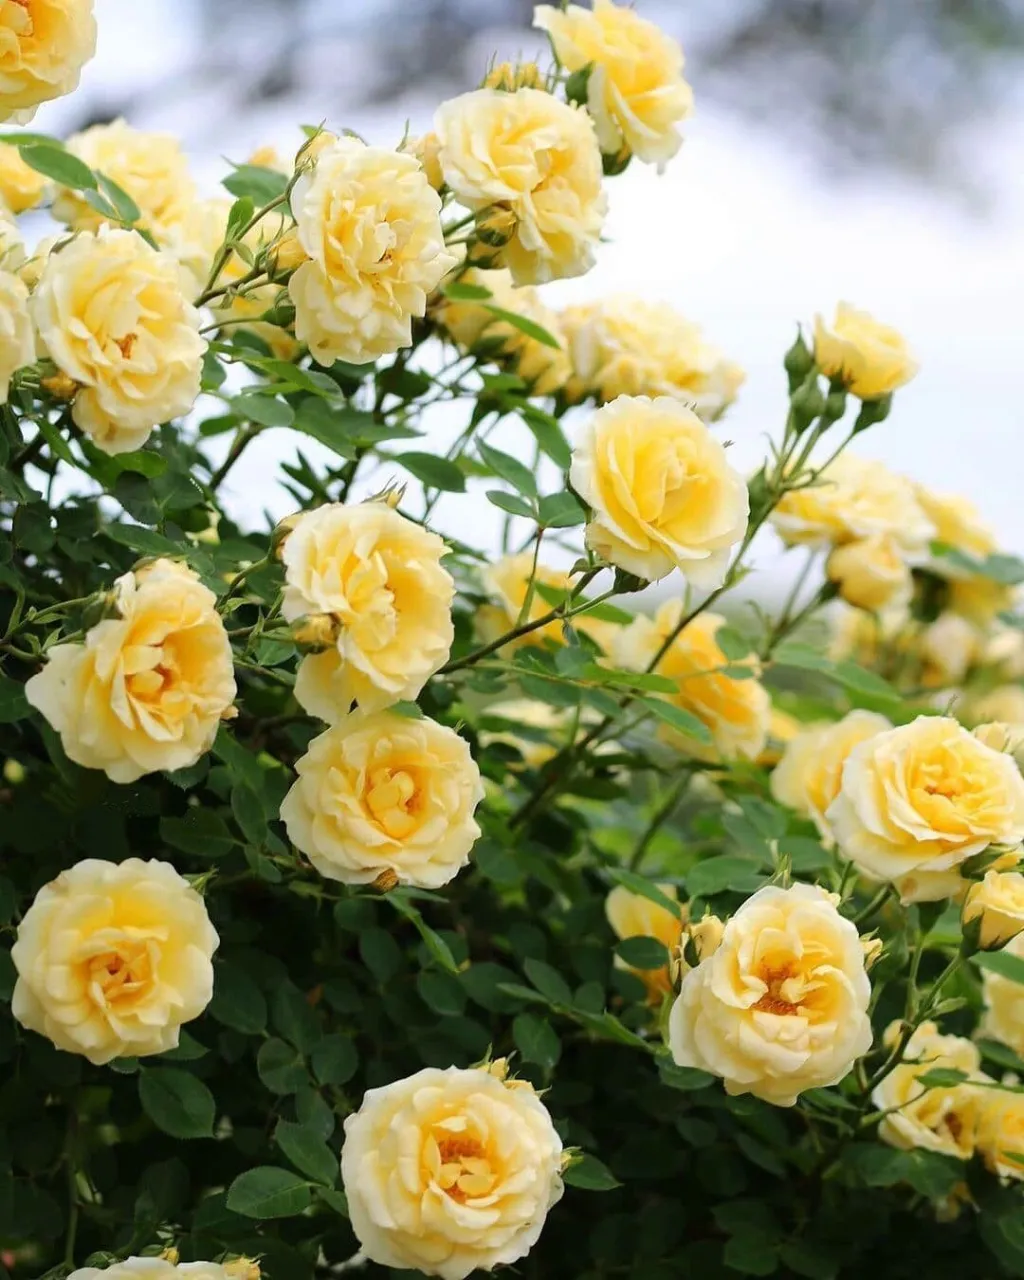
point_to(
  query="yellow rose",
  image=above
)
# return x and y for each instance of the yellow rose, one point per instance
(427, 150)
(636, 93)
(507, 582)
(918, 800)
(149, 167)
(662, 493)
(471, 324)
(112, 314)
(947, 648)
(631, 915)
(933, 1119)
(981, 599)
(112, 958)
(511, 76)
(538, 159)
(736, 712)
(995, 907)
(782, 1003)
(17, 336)
(850, 500)
(193, 239)
(808, 776)
(1004, 1003)
(370, 223)
(1002, 737)
(1000, 1137)
(21, 187)
(379, 576)
(872, 359)
(12, 246)
(44, 44)
(448, 1171)
(166, 1269)
(382, 792)
(957, 522)
(145, 690)
(871, 573)
(626, 346)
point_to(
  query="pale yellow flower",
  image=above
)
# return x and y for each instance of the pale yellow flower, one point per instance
(631, 915)
(450, 1171)
(850, 500)
(871, 573)
(662, 492)
(623, 345)
(1004, 1003)
(147, 689)
(149, 167)
(957, 522)
(17, 336)
(44, 44)
(918, 800)
(782, 1003)
(636, 93)
(427, 150)
(12, 246)
(981, 599)
(537, 158)
(163, 1268)
(379, 577)
(947, 648)
(809, 774)
(21, 186)
(112, 314)
(370, 223)
(1000, 1136)
(736, 712)
(943, 1119)
(381, 793)
(995, 907)
(112, 958)
(471, 324)
(871, 358)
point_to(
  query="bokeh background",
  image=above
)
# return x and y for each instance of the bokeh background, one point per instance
(859, 149)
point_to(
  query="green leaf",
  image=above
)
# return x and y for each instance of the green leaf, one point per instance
(52, 161)
(263, 185)
(380, 953)
(676, 718)
(244, 766)
(942, 1078)
(269, 1192)
(716, 875)
(13, 703)
(145, 541)
(561, 511)
(280, 1067)
(548, 433)
(335, 1059)
(294, 1017)
(637, 884)
(267, 410)
(515, 506)
(248, 812)
(124, 206)
(642, 953)
(439, 950)
(177, 1102)
(237, 1000)
(685, 1079)
(463, 291)
(548, 981)
(1004, 963)
(589, 1174)
(239, 216)
(510, 469)
(201, 832)
(307, 1151)
(437, 473)
(536, 1040)
(848, 674)
(530, 327)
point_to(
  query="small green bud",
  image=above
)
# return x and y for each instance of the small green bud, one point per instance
(806, 404)
(798, 362)
(628, 582)
(872, 411)
(835, 403)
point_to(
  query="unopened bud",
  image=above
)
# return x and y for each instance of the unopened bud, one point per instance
(835, 403)
(993, 911)
(171, 1255)
(312, 147)
(498, 1068)
(806, 403)
(615, 162)
(14, 772)
(315, 632)
(510, 76)
(872, 411)
(243, 1269)
(391, 496)
(281, 531)
(1008, 738)
(872, 948)
(386, 881)
(59, 386)
(798, 362)
(287, 254)
(706, 936)
(496, 226)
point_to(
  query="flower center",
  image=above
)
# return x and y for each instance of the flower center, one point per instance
(126, 344)
(773, 1000)
(394, 799)
(118, 975)
(463, 1167)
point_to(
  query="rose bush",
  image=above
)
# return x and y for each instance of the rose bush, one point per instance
(387, 886)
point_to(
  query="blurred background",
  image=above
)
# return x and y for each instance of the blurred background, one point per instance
(860, 149)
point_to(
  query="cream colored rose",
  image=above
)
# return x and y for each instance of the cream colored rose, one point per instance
(450, 1171)
(871, 573)
(472, 325)
(1000, 1136)
(112, 958)
(921, 799)
(981, 599)
(808, 776)
(737, 712)
(427, 150)
(853, 499)
(662, 492)
(1004, 1003)
(163, 1269)
(947, 648)
(636, 93)
(379, 577)
(12, 246)
(381, 793)
(782, 1004)
(146, 690)
(537, 159)
(624, 345)
(149, 167)
(631, 915)
(112, 314)
(957, 522)
(44, 44)
(871, 358)
(370, 223)
(21, 186)
(944, 1120)
(17, 336)
(995, 908)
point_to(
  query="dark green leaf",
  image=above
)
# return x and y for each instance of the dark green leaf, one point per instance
(237, 1000)
(589, 1174)
(268, 1192)
(263, 185)
(13, 703)
(280, 1067)
(510, 469)
(684, 721)
(54, 162)
(307, 1151)
(716, 875)
(1004, 963)
(509, 502)
(177, 1102)
(642, 953)
(548, 981)
(536, 1040)
(436, 473)
(267, 410)
(530, 327)
(334, 1059)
